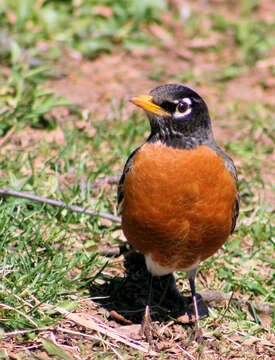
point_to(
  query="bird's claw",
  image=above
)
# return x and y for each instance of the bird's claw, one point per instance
(147, 327)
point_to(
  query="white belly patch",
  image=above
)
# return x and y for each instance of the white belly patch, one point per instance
(158, 270)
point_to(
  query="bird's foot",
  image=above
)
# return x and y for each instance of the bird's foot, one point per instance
(197, 334)
(147, 327)
(199, 308)
(202, 306)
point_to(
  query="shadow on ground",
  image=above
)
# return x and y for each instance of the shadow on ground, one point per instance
(128, 295)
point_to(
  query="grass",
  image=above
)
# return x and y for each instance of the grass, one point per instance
(94, 26)
(52, 147)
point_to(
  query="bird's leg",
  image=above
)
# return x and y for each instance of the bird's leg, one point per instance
(191, 277)
(146, 325)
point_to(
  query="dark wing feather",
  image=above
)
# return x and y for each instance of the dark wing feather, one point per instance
(127, 168)
(231, 168)
(235, 212)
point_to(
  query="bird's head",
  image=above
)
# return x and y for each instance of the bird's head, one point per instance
(177, 115)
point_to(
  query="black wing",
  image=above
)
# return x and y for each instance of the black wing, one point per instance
(127, 168)
(235, 212)
(231, 168)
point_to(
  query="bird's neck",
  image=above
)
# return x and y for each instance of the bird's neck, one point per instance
(189, 140)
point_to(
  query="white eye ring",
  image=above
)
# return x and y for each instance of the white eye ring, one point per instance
(185, 110)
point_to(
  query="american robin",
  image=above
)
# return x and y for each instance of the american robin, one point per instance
(178, 194)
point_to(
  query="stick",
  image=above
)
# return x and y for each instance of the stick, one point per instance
(113, 251)
(58, 203)
(91, 337)
(92, 323)
(20, 332)
(8, 135)
(218, 296)
(7, 307)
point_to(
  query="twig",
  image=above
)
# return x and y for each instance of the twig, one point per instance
(7, 307)
(112, 251)
(7, 270)
(218, 296)
(117, 353)
(92, 337)
(16, 296)
(20, 332)
(163, 328)
(119, 318)
(233, 342)
(186, 352)
(81, 334)
(8, 135)
(58, 203)
(92, 323)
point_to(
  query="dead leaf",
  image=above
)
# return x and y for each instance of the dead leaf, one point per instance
(93, 323)
(185, 319)
(119, 318)
(132, 331)
(265, 319)
(250, 341)
(106, 222)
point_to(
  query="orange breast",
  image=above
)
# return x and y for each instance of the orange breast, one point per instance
(178, 204)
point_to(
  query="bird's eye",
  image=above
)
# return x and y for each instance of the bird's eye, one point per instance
(183, 106)
(183, 109)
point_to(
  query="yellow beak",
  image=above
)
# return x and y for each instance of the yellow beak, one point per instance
(145, 102)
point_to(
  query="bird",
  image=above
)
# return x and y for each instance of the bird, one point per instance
(178, 194)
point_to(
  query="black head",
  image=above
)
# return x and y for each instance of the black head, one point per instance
(178, 115)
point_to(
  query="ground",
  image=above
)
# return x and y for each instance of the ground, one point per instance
(62, 296)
